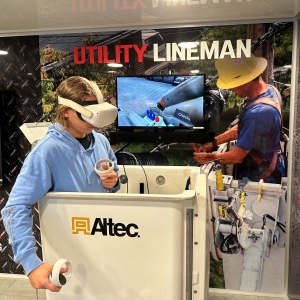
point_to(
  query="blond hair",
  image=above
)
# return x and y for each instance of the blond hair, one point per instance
(74, 88)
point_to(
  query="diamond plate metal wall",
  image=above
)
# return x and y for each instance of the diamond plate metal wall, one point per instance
(20, 100)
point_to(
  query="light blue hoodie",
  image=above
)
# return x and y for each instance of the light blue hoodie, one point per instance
(58, 163)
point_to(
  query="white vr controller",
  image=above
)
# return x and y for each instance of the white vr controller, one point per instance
(100, 170)
(60, 279)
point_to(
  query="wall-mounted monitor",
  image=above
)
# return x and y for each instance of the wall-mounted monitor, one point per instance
(162, 101)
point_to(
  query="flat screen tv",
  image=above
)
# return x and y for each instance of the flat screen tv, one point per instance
(162, 101)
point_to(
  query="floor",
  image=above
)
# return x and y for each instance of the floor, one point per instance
(17, 287)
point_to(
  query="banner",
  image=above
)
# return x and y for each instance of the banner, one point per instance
(174, 54)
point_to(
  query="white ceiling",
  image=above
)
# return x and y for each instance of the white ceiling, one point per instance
(21, 17)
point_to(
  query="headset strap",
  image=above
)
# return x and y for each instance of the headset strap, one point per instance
(96, 90)
(87, 113)
(77, 106)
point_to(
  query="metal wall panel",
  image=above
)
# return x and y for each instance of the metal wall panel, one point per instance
(21, 101)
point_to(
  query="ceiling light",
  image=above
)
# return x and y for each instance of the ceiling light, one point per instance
(115, 65)
(194, 71)
(187, 45)
(2, 52)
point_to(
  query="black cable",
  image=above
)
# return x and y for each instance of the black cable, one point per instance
(230, 244)
(188, 183)
(139, 163)
(122, 146)
(279, 224)
(145, 178)
(276, 28)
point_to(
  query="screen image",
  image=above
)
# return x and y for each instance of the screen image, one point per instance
(160, 101)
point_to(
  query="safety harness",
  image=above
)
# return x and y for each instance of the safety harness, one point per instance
(271, 169)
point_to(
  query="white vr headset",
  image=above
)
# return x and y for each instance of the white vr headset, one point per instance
(98, 115)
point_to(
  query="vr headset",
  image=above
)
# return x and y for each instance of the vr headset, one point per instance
(97, 113)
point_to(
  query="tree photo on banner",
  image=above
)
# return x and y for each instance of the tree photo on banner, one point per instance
(241, 63)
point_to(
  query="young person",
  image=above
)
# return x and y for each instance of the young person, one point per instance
(63, 161)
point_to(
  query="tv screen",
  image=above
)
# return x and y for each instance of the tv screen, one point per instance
(165, 101)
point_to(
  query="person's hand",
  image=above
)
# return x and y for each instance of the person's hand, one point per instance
(109, 180)
(203, 157)
(207, 147)
(39, 278)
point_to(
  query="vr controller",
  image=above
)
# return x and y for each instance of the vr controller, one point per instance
(100, 170)
(60, 279)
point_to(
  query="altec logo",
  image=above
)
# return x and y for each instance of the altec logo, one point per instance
(104, 226)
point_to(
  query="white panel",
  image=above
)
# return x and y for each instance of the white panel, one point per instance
(150, 265)
(112, 267)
